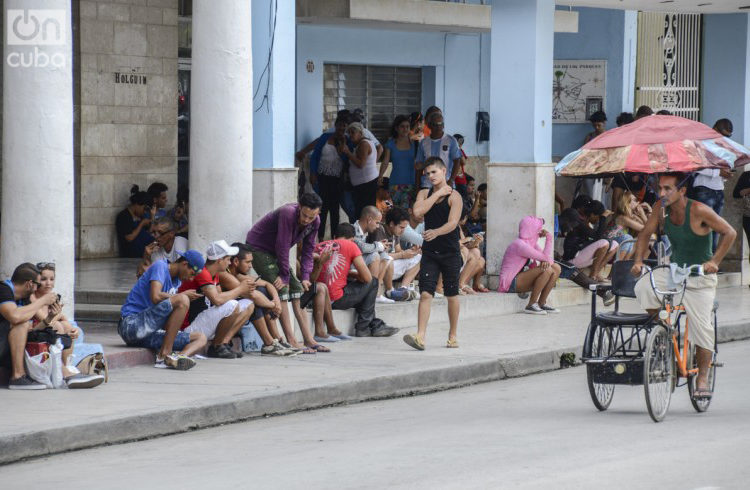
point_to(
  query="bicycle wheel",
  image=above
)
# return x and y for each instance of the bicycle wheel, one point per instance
(658, 372)
(600, 345)
(702, 404)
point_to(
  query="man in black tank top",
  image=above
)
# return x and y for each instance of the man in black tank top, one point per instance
(441, 253)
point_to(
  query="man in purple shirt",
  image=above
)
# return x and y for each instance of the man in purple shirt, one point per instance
(270, 240)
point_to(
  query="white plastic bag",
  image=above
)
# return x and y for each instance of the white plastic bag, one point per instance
(39, 367)
(55, 359)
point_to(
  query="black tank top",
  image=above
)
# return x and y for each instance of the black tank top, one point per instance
(436, 217)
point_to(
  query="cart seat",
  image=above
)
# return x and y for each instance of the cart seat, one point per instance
(620, 318)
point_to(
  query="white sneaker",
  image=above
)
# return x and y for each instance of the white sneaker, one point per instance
(439, 295)
(383, 299)
(550, 309)
(534, 309)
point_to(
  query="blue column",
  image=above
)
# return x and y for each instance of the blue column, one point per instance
(273, 83)
(521, 81)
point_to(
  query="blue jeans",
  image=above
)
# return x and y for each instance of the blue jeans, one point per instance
(145, 329)
(714, 200)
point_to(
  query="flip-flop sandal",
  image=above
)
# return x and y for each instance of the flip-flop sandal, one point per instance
(309, 350)
(330, 338)
(320, 348)
(342, 336)
(452, 344)
(414, 341)
(702, 395)
(482, 289)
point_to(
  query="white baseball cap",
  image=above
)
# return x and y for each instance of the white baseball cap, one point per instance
(220, 249)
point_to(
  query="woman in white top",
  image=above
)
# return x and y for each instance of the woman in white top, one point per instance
(330, 171)
(363, 173)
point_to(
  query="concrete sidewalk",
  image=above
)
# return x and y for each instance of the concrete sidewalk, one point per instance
(143, 402)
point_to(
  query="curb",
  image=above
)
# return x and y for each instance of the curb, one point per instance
(234, 409)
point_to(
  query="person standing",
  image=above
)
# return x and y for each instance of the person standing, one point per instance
(400, 150)
(441, 145)
(363, 171)
(441, 253)
(329, 165)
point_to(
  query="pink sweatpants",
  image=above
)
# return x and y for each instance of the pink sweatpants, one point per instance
(586, 256)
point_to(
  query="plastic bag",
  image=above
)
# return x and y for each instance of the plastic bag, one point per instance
(55, 358)
(39, 368)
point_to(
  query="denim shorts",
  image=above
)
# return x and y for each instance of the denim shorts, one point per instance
(145, 329)
(512, 288)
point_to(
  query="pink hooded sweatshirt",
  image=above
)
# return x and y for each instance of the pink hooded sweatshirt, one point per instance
(524, 248)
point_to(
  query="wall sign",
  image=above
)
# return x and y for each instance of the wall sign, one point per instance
(578, 89)
(130, 78)
(310, 66)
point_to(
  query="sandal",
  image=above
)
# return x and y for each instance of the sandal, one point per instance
(320, 348)
(414, 341)
(308, 350)
(452, 344)
(482, 289)
(466, 289)
(702, 394)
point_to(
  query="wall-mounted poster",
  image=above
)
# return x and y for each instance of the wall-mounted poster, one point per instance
(578, 89)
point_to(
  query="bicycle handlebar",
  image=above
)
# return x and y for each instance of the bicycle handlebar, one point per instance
(697, 268)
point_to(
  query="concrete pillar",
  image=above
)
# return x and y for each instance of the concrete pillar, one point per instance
(38, 170)
(275, 177)
(520, 175)
(221, 128)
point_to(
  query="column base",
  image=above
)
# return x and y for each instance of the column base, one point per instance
(273, 187)
(516, 190)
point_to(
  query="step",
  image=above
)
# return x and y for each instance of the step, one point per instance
(100, 313)
(101, 297)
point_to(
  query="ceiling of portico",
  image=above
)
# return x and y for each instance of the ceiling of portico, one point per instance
(693, 6)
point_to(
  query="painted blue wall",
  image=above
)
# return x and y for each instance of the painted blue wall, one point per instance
(600, 37)
(724, 71)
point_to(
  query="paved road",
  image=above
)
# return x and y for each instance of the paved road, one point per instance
(534, 432)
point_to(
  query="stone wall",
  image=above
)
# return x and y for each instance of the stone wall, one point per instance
(127, 57)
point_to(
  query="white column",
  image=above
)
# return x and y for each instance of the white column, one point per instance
(221, 123)
(38, 171)
(520, 176)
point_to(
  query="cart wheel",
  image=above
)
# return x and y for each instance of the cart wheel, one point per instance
(658, 372)
(600, 345)
(702, 404)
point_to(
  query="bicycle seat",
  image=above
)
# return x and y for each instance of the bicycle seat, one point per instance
(620, 318)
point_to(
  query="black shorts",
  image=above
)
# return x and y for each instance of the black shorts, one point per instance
(436, 263)
(4, 343)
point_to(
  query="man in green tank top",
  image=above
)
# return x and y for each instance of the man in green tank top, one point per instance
(688, 224)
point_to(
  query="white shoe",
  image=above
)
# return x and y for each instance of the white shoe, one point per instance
(438, 295)
(534, 309)
(383, 299)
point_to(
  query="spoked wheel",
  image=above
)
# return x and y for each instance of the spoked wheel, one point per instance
(601, 344)
(658, 372)
(700, 405)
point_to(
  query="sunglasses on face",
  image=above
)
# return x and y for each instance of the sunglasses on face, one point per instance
(37, 284)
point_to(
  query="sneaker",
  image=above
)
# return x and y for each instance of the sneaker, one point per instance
(237, 354)
(549, 309)
(220, 352)
(413, 294)
(25, 383)
(159, 363)
(288, 346)
(80, 381)
(400, 294)
(534, 309)
(609, 298)
(383, 299)
(439, 295)
(383, 331)
(179, 362)
(276, 349)
(364, 332)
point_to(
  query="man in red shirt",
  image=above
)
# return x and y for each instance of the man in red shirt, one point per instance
(218, 315)
(360, 291)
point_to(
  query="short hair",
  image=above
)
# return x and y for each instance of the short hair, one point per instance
(396, 215)
(356, 126)
(594, 207)
(344, 230)
(369, 212)
(310, 200)
(183, 194)
(624, 118)
(724, 125)
(598, 116)
(581, 201)
(643, 111)
(434, 161)
(682, 178)
(24, 272)
(469, 178)
(244, 250)
(482, 187)
(139, 197)
(663, 112)
(155, 189)
(166, 220)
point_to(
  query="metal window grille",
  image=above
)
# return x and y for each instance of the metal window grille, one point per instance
(382, 92)
(668, 63)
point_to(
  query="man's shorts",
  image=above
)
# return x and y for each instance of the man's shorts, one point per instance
(400, 266)
(145, 329)
(267, 267)
(370, 258)
(5, 360)
(698, 302)
(434, 264)
(208, 320)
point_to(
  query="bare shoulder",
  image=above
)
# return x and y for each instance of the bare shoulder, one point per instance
(422, 194)
(700, 209)
(455, 198)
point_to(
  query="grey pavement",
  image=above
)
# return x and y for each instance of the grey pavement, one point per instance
(143, 402)
(535, 432)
